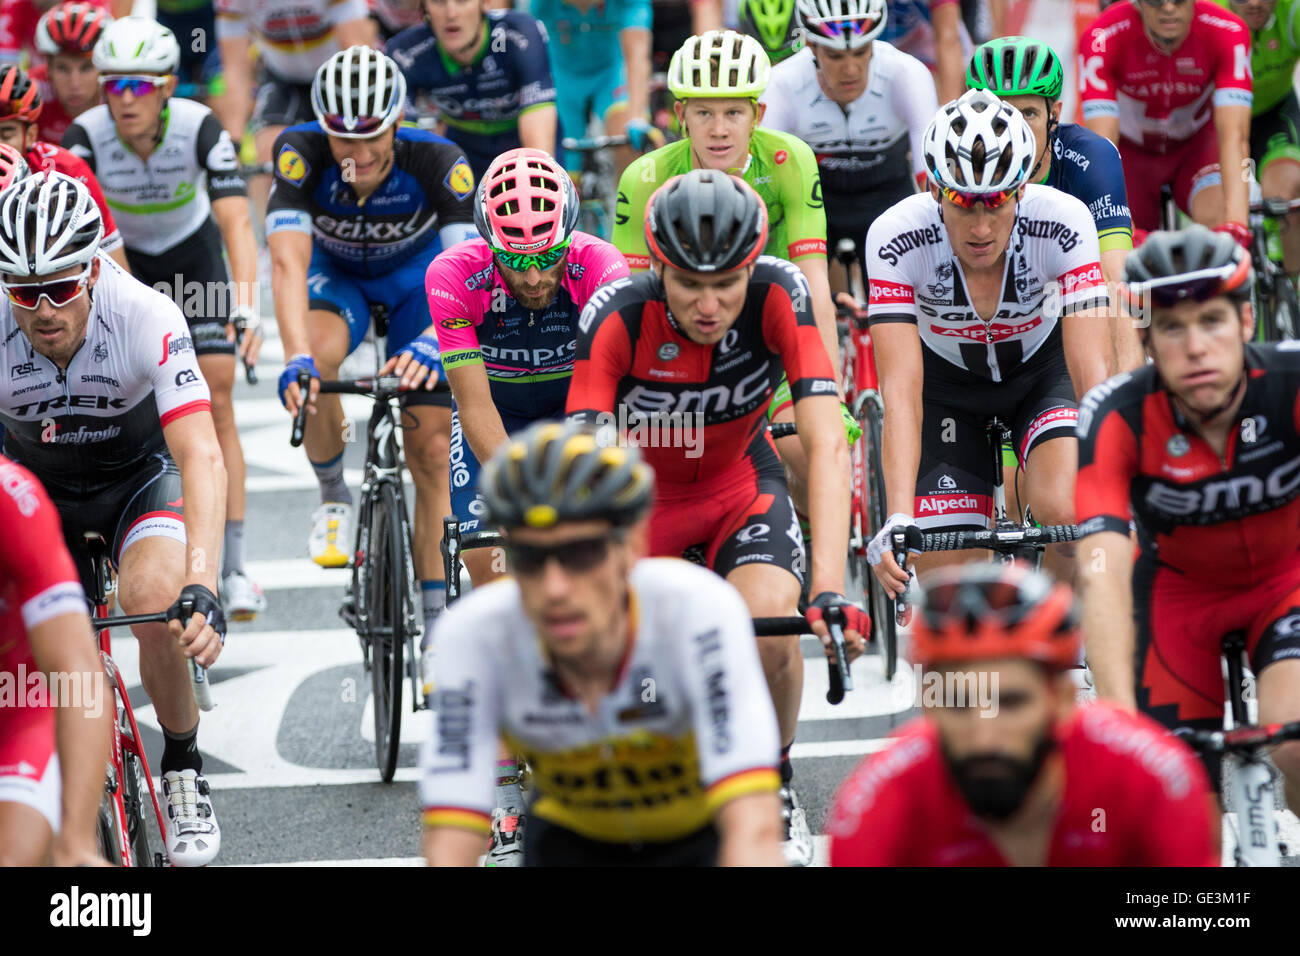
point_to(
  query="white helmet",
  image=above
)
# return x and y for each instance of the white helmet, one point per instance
(48, 222)
(137, 45)
(841, 24)
(742, 66)
(358, 93)
(979, 118)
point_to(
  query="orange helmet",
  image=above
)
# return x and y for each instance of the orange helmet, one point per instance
(13, 166)
(19, 98)
(981, 611)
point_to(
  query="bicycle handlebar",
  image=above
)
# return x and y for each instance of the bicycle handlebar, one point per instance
(1242, 740)
(783, 429)
(592, 144)
(838, 674)
(1274, 208)
(250, 371)
(128, 620)
(378, 387)
(995, 540)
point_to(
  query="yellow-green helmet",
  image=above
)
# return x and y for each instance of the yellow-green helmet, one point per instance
(773, 24)
(719, 63)
(1016, 66)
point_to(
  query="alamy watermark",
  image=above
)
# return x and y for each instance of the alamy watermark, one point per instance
(626, 426)
(36, 689)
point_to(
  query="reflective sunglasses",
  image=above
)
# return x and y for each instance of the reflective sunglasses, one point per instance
(523, 261)
(135, 85)
(573, 556)
(360, 128)
(968, 200)
(60, 292)
(1198, 286)
(1157, 4)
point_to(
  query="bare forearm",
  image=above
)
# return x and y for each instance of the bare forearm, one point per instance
(901, 447)
(828, 505)
(823, 307)
(238, 77)
(1087, 341)
(483, 428)
(1124, 336)
(636, 57)
(537, 129)
(289, 293)
(1107, 126)
(1105, 577)
(203, 482)
(241, 247)
(749, 831)
(706, 15)
(1234, 149)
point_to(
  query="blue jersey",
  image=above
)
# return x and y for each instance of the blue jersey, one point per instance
(588, 42)
(481, 103)
(1087, 166)
(429, 188)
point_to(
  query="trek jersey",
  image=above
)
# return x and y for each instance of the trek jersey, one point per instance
(528, 355)
(782, 170)
(633, 354)
(294, 37)
(95, 424)
(1163, 99)
(165, 199)
(1051, 270)
(1275, 50)
(1225, 522)
(481, 103)
(1087, 166)
(648, 767)
(900, 807)
(44, 156)
(429, 187)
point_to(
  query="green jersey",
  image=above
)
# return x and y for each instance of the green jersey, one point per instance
(783, 171)
(1274, 52)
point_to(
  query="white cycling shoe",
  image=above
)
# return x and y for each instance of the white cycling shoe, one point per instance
(193, 836)
(331, 534)
(798, 846)
(241, 598)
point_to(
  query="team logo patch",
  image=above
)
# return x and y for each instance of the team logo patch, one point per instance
(460, 180)
(291, 166)
(780, 157)
(669, 351)
(1177, 446)
(454, 323)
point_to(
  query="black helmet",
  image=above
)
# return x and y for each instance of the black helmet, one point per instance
(706, 221)
(553, 472)
(1190, 264)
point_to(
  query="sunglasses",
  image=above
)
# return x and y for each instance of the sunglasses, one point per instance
(135, 85)
(1157, 4)
(573, 556)
(968, 200)
(356, 127)
(1198, 286)
(59, 292)
(523, 261)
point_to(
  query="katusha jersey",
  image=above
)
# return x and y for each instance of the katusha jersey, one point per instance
(900, 806)
(528, 355)
(1224, 522)
(294, 36)
(429, 187)
(161, 201)
(865, 145)
(1163, 99)
(686, 727)
(1087, 166)
(782, 170)
(1051, 270)
(85, 429)
(44, 156)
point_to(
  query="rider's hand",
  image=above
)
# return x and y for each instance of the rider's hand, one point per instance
(1237, 231)
(418, 359)
(196, 620)
(290, 394)
(250, 345)
(880, 553)
(641, 135)
(857, 623)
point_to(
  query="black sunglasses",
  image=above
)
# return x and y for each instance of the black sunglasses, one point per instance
(573, 556)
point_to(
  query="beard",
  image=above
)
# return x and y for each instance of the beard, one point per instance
(995, 785)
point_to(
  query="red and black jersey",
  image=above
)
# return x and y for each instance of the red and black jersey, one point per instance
(632, 354)
(1226, 521)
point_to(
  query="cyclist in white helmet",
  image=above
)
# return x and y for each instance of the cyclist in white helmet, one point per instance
(172, 176)
(986, 300)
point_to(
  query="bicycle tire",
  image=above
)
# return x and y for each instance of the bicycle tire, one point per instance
(872, 418)
(106, 830)
(139, 812)
(1265, 329)
(1286, 312)
(388, 590)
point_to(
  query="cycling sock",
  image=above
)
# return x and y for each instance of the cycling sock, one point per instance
(509, 796)
(434, 594)
(232, 552)
(330, 475)
(787, 769)
(181, 751)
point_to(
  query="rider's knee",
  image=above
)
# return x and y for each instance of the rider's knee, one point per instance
(149, 588)
(1287, 758)
(429, 456)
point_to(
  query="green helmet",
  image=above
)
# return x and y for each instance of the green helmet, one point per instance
(1016, 66)
(773, 24)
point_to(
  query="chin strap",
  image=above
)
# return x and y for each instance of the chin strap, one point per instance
(1218, 410)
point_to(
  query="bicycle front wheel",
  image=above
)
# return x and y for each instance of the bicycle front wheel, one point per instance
(106, 837)
(140, 817)
(872, 417)
(388, 590)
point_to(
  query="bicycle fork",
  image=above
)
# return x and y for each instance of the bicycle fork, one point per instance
(122, 744)
(1252, 778)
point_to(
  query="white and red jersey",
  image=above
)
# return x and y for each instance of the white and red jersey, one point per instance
(18, 19)
(900, 807)
(1163, 98)
(1052, 269)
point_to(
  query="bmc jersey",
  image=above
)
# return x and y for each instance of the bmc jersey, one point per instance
(163, 200)
(43, 156)
(782, 170)
(686, 727)
(1051, 270)
(1275, 50)
(1224, 522)
(1087, 166)
(528, 355)
(429, 187)
(1162, 99)
(632, 354)
(294, 37)
(900, 807)
(94, 424)
(867, 144)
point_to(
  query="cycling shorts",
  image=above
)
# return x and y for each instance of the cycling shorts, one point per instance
(578, 97)
(850, 215)
(742, 516)
(29, 761)
(954, 484)
(281, 103)
(548, 844)
(1188, 168)
(1274, 136)
(466, 502)
(401, 291)
(193, 275)
(147, 505)
(1181, 622)
(200, 62)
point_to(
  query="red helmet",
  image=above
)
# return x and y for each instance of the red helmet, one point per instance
(12, 166)
(71, 28)
(526, 203)
(19, 98)
(982, 611)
